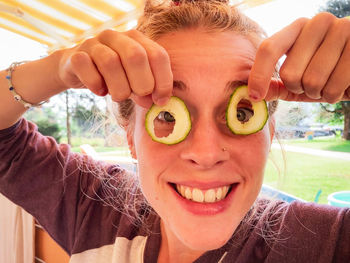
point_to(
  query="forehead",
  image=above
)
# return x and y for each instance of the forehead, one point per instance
(212, 46)
(200, 59)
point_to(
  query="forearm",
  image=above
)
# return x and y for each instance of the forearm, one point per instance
(34, 81)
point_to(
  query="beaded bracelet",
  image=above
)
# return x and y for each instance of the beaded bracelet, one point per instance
(16, 96)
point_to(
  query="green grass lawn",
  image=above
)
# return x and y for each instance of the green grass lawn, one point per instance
(306, 174)
(329, 144)
(76, 141)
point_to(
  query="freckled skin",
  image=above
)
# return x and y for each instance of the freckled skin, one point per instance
(205, 71)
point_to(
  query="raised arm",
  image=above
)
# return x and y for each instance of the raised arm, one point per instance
(316, 68)
(45, 178)
(125, 65)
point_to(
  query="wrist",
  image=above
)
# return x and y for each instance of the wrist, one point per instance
(36, 81)
(55, 60)
(12, 89)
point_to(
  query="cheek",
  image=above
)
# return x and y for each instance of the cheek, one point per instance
(153, 159)
(255, 151)
(151, 155)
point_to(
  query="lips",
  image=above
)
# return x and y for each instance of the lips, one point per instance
(211, 195)
(198, 199)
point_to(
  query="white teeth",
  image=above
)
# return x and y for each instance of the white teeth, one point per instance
(182, 190)
(188, 193)
(219, 194)
(210, 196)
(197, 195)
(225, 190)
(200, 196)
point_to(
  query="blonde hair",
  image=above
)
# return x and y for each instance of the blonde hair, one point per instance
(212, 16)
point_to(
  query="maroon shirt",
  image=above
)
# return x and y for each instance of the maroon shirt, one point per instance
(46, 180)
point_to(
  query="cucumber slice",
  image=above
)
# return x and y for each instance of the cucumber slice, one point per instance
(252, 123)
(178, 113)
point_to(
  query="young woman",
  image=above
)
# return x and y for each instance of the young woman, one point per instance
(195, 200)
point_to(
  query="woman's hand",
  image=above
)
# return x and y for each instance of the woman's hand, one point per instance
(317, 64)
(122, 64)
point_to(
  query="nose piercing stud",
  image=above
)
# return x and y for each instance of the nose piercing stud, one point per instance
(224, 149)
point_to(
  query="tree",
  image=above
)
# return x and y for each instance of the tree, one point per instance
(83, 117)
(76, 104)
(50, 128)
(77, 113)
(45, 119)
(85, 114)
(339, 8)
(297, 112)
(331, 113)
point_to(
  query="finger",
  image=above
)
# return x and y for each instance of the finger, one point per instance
(134, 61)
(160, 65)
(86, 71)
(267, 56)
(300, 55)
(325, 60)
(339, 81)
(278, 91)
(110, 67)
(144, 101)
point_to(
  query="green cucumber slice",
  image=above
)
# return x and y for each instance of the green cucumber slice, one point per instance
(251, 124)
(179, 113)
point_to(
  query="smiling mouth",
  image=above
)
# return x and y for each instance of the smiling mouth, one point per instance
(212, 195)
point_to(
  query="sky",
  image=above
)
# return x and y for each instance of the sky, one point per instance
(273, 16)
(277, 14)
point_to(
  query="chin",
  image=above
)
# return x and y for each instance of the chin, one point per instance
(206, 233)
(206, 242)
(199, 226)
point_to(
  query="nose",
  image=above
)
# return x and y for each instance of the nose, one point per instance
(205, 146)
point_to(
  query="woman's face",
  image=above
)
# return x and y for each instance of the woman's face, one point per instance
(208, 67)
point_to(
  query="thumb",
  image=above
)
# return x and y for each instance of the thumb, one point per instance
(267, 56)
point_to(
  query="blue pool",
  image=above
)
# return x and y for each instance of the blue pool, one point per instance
(341, 199)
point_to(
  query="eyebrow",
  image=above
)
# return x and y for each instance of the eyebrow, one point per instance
(230, 86)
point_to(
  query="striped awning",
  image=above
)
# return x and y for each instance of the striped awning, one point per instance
(62, 23)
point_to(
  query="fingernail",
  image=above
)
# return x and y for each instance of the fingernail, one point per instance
(162, 101)
(254, 95)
